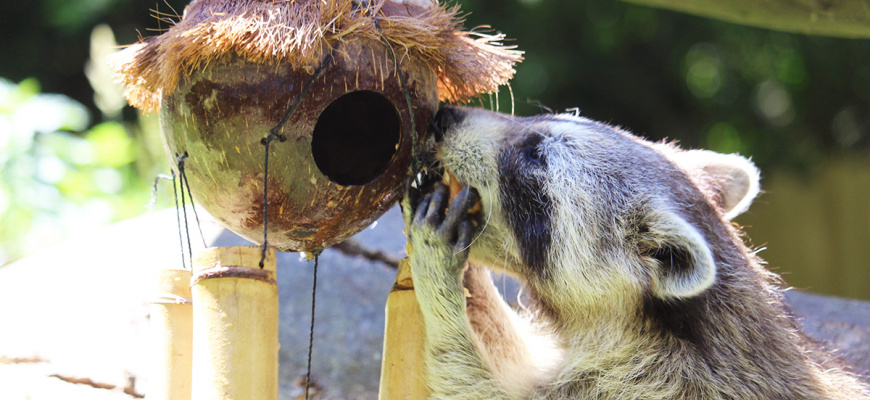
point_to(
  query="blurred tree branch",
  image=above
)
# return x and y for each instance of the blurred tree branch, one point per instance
(838, 18)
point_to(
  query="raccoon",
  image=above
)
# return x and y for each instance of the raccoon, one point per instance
(640, 286)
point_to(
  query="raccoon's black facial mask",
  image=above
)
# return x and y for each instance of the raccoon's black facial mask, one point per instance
(526, 204)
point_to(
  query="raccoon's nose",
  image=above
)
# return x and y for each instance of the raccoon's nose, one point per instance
(445, 118)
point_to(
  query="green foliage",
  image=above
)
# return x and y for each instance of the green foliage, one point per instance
(787, 100)
(58, 175)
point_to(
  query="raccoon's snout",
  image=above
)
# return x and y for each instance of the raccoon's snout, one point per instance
(445, 118)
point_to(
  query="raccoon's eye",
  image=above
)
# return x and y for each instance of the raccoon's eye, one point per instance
(532, 154)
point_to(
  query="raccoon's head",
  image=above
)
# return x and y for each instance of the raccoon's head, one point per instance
(580, 208)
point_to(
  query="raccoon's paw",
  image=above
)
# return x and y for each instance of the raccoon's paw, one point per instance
(441, 232)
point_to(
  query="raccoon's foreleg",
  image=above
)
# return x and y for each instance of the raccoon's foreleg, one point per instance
(454, 365)
(517, 355)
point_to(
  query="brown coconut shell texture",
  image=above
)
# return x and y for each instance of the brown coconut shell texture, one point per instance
(298, 32)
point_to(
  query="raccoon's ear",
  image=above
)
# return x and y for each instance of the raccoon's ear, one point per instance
(680, 259)
(731, 179)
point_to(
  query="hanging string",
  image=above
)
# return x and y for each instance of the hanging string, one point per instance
(182, 183)
(267, 141)
(311, 330)
(275, 134)
(180, 163)
(186, 183)
(317, 74)
(153, 202)
(178, 218)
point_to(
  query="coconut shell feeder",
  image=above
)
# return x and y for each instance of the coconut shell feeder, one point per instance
(341, 93)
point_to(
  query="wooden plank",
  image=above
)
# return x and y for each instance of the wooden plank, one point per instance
(402, 368)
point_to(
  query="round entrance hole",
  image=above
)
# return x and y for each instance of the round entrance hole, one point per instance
(355, 137)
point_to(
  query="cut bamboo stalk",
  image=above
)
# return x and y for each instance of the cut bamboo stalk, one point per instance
(172, 337)
(235, 325)
(402, 369)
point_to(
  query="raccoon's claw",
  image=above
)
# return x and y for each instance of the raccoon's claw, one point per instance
(457, 225)
(431, 209)
(453, 226)
(464, 232)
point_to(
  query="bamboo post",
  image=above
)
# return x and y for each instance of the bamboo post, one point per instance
(235, 327)
(172, 326)
(402, 369)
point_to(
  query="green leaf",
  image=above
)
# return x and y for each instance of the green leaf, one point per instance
(112, 146)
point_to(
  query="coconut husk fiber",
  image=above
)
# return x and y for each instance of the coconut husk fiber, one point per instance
(299, 32)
